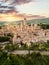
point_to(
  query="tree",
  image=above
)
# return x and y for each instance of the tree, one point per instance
(10, 35)
(7, 61)
(10, 47)
(4, 39)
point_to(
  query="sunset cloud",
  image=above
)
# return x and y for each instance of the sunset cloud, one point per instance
(9, 17)
(9, 5)
(21, 1)
(18, 1)
(38, 9)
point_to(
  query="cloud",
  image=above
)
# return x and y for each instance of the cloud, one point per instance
(9, 5)
(5, 6)
(18, 2)
(15, 17)
(21, 1)
(48, 3)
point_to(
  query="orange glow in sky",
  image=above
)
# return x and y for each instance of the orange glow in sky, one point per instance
(14, 10)
(10, 17)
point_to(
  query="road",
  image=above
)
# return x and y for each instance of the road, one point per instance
(24, 52)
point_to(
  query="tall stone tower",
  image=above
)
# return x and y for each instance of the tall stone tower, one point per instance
(23, 24)
(24, 21)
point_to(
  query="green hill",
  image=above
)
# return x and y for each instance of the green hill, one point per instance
(43, 21)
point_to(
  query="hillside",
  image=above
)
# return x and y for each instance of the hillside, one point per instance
(44, 21)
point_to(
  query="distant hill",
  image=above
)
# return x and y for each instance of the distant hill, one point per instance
(44, 21)
(2, 23)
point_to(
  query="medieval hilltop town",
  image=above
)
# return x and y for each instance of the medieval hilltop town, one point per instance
(25, 33)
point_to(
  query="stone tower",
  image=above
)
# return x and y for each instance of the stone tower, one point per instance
(24, 21)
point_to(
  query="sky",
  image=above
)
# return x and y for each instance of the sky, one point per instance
(12, 10)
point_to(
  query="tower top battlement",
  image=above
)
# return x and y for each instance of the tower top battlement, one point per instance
(24, 18)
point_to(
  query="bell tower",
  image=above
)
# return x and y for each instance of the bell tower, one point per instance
(24, 21)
